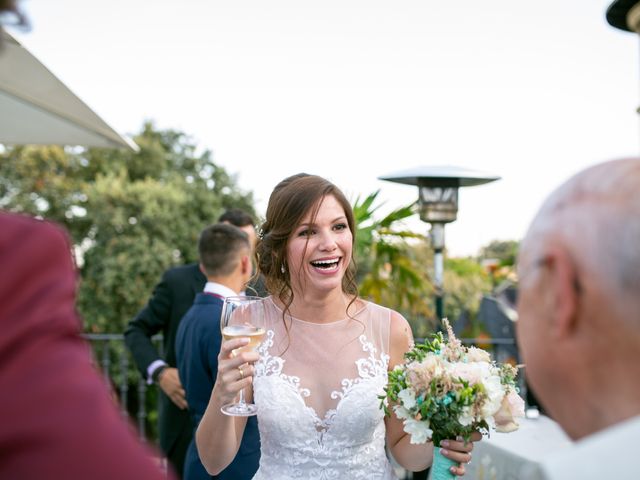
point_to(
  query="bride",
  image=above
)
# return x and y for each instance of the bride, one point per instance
(325, 357)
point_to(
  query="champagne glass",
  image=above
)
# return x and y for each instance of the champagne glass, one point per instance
(242, 316)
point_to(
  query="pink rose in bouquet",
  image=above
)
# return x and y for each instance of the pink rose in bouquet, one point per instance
(511, 408)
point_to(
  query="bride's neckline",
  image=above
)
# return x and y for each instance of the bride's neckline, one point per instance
(361, 306)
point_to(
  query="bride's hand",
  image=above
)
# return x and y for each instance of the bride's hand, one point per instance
(235, 371)
(459, 451)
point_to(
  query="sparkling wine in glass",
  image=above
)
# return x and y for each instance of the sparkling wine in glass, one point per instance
(242, 317)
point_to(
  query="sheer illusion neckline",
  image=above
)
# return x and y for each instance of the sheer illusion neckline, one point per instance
(317, 387)
(363, 306)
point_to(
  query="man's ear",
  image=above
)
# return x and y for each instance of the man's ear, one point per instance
(564, 290)
(245, 264)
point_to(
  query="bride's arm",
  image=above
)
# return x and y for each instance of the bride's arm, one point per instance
(218, 435)
(415, 457)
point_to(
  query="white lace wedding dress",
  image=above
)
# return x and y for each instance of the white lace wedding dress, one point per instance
(317, 387)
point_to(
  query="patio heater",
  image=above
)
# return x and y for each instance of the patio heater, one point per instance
(438, 201)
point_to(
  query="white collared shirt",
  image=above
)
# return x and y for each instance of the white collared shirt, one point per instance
(219, 289)
(609, 453)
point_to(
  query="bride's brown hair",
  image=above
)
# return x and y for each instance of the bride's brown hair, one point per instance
(289, 202)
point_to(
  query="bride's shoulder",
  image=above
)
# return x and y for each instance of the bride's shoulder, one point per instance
(400, 338)
(399, 330)
(396, 320)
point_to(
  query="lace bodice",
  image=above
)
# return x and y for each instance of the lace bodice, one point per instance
(317, 387)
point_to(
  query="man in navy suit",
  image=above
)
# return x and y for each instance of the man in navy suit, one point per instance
(171, 299)
(225, 258)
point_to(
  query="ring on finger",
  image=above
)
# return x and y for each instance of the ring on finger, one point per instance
(241, 373)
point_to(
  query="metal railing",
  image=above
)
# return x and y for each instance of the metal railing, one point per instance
(120, 374)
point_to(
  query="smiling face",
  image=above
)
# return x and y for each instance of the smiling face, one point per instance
(308, 220)
(319, 249)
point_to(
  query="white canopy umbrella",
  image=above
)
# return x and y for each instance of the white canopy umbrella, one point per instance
(37, 108)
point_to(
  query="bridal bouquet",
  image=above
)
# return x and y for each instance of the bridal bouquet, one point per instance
(445, 390)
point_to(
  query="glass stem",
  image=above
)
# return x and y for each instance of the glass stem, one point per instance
(241, 399)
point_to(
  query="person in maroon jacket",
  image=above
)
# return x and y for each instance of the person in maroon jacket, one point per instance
(57, 418)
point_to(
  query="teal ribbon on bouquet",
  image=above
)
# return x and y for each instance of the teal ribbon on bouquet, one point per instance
(440, 470)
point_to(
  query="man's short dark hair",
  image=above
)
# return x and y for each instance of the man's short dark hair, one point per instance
(220, 246)
(237, 217)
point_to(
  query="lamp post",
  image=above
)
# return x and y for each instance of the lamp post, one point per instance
(624, 15)
(438, 201)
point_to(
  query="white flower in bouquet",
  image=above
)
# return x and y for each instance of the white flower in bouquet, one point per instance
(473, 372)
(495, 393)
(408, 398)
(419, 431)
(475, 354)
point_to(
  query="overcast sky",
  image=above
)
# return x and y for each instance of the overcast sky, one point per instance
(354, 89)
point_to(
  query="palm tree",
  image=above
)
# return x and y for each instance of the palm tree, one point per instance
(391, 270)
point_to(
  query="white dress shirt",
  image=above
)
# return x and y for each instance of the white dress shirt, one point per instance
(607, 454)
(219, 289)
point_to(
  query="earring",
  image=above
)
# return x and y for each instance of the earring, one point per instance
(283, 269)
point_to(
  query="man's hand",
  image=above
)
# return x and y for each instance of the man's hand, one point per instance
(169, 382)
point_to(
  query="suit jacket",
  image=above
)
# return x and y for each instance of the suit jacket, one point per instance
(58, 419)
(197, 347)
(171, 299)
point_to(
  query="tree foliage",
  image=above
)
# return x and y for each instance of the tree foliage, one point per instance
(465, 282)
(499, 258)
(504, 251)
(131, 215)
